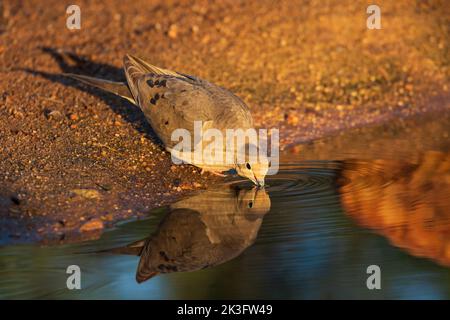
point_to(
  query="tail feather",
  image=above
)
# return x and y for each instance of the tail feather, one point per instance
(118, 88)
(135, 68)
(149, 68)
(134, 249)
(133, 71)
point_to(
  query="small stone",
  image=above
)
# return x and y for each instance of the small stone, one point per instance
(87, 193)
(195, 29)
(206, 39)
(186, 186)
(105, 187)
(296, 149)
(108, 217)
(55, 114)
(292, 119)
(173, 31)
(56, 226)
(94, 224)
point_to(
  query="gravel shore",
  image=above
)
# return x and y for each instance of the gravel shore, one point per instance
(75, 160)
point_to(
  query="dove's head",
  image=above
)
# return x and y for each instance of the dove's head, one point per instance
(254, 170)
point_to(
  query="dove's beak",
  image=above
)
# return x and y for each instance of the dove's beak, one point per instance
(258, 183)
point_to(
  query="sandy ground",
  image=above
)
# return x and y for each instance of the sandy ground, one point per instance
(74, 160)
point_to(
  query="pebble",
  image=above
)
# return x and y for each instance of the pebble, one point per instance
(108, 217)
(87, 193)
(195, 29)
(292, 119)
(94, 224)
(173, 31)
(55, 114)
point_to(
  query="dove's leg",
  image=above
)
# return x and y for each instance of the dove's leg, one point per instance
(216, 173)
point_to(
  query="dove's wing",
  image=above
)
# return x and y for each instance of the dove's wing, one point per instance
(171, 100)
(205, 230)
(180, 244)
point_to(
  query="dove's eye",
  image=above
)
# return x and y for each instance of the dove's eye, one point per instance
(248, 166)
(250, 204)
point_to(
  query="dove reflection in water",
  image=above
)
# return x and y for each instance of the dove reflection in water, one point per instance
(202, 231)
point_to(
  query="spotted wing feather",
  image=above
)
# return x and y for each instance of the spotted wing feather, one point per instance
(171, 100)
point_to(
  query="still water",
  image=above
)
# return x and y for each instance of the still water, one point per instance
(375, 196)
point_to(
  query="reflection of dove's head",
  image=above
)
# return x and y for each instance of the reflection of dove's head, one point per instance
(255, 168)
(255, 201)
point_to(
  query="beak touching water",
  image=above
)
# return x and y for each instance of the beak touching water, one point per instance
(260, 183)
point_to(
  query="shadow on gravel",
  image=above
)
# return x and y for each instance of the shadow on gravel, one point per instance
(72, 63)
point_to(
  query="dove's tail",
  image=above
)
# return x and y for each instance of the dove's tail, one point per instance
(118, 88)
(134, 70)
(133, 249)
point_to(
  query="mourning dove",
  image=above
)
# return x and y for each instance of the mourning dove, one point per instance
(171, 100)
(205, 230)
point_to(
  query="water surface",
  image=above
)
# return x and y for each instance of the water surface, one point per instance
(374, 196)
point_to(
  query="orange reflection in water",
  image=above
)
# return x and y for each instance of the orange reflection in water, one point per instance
(407, 203)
